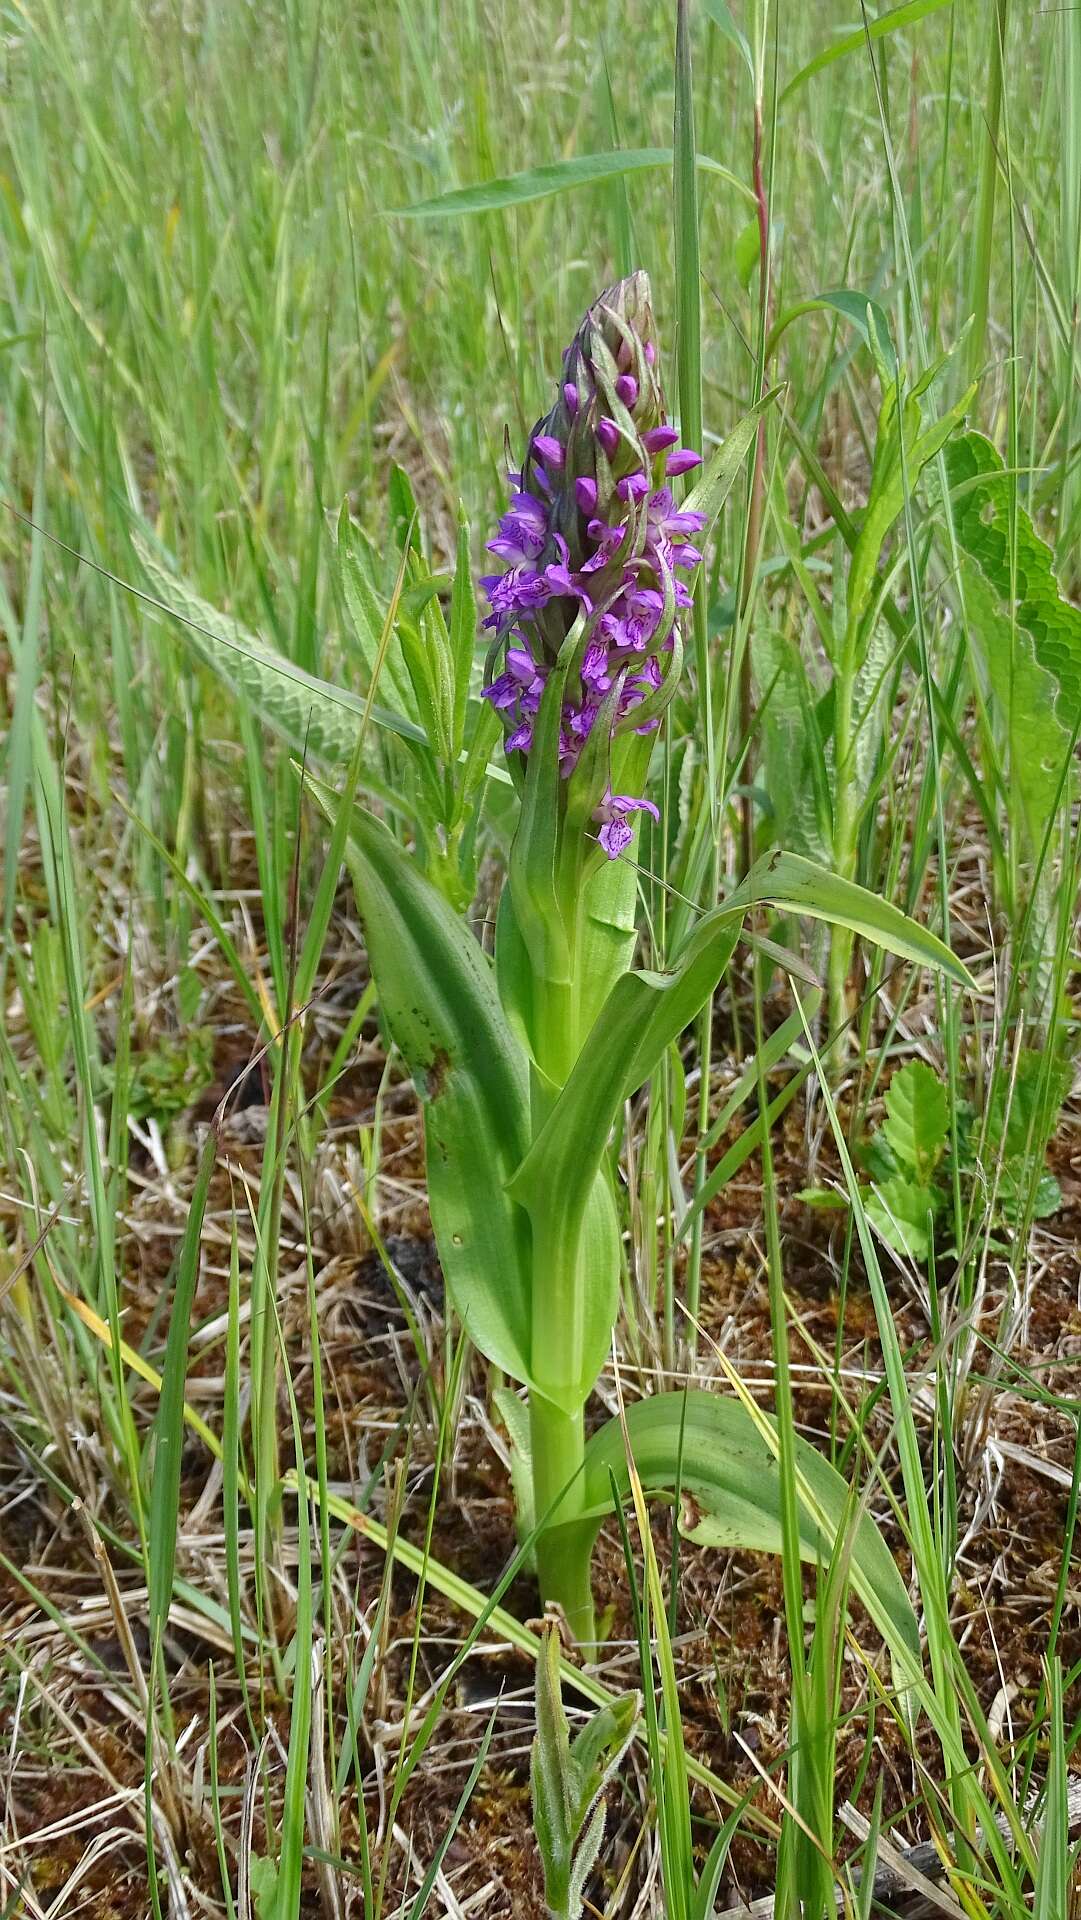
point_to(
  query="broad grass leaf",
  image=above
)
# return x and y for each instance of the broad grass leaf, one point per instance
(540, 183)
(438, 997)
(903, 16)
(712, 1445)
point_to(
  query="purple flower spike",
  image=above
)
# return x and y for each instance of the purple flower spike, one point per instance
(616, 831)
(594, 547)
(608, 437)
(682, 461)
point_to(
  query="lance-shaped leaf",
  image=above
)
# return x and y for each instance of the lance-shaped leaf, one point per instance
(718, 476)
(438, 997)
(646, 1011)
(299, 706)
(717, 1450)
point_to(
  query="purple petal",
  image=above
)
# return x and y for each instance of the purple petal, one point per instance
(682, 460)
(615, 836)
(570, 396)
(658, 439)
(585, 492)
(627, 389)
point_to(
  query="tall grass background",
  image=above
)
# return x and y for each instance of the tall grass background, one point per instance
(236, 290)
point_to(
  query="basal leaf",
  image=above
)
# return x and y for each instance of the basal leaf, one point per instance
(712, 1445)
(437, 994)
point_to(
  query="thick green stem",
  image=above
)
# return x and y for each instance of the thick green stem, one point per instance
(557, 1442)
(558, 1438)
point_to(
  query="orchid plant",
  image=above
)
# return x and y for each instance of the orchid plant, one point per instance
(523, 1064)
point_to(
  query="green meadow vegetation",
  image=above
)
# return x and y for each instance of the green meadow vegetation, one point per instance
(540, 1203)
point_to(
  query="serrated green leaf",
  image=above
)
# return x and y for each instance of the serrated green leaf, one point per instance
(902, 1212)
(917, 1119)
(712, 1445)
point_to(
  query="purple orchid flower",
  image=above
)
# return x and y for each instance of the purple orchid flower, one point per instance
(616, 831)
(593, 535)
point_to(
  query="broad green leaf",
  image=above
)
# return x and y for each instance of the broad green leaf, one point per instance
(903, 16)
(712, 1445)
(795, 885)
(902, 1211)
(438, 997)
(539, 183)
(646, 1011)
(917, 1118)
(1028, 635)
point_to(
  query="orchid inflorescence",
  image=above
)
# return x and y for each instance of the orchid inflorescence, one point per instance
(594, 543)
